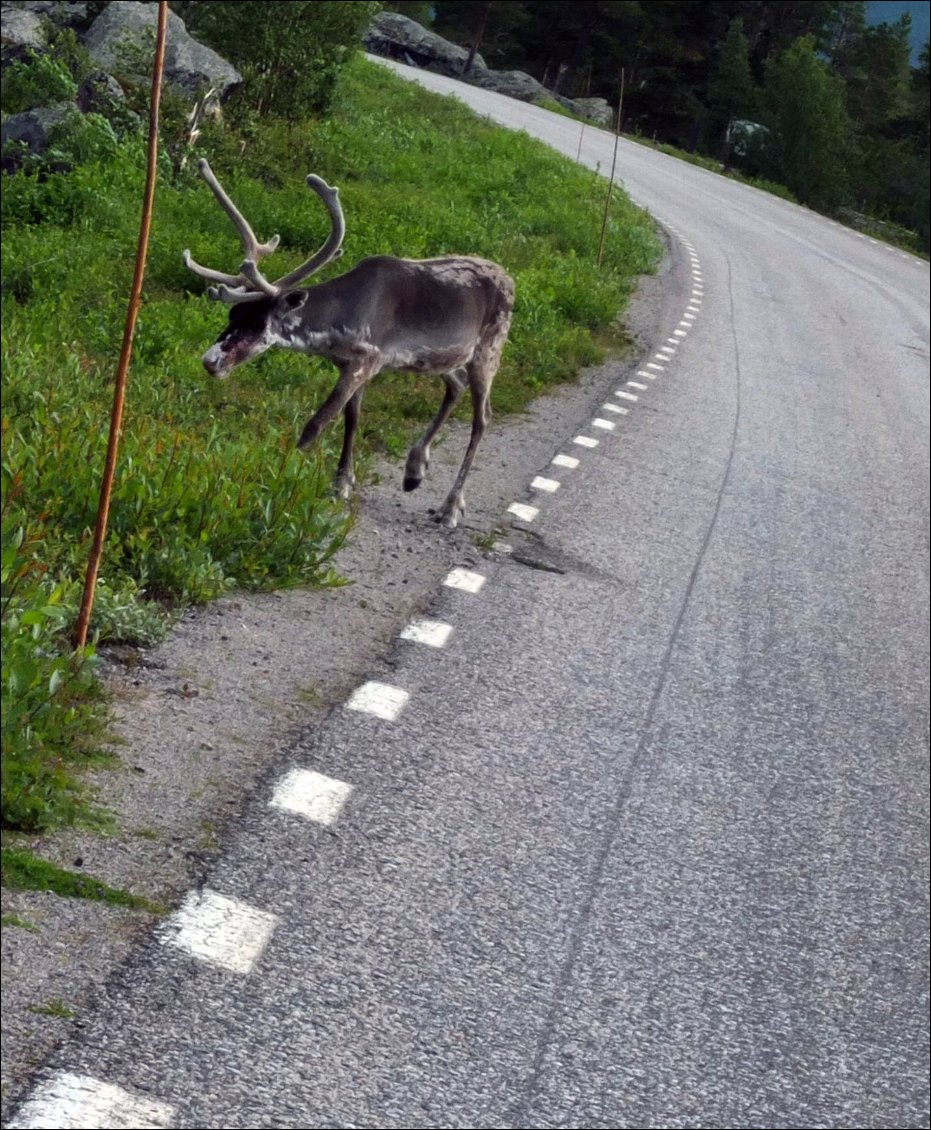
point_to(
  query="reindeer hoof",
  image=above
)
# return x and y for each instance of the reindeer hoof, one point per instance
(449, 516)
(417, 464)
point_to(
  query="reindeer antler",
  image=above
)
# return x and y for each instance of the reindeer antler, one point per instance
(250, 284)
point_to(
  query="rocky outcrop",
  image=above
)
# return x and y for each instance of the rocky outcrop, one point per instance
(24, 27)
(515, 84)
(62, 14)
(128, 27)
(120, 41)
(396, 37)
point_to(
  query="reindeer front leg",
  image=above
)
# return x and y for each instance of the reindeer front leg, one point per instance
(346, 397)
(345, 475)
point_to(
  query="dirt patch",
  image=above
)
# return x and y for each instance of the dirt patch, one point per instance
(202, 717)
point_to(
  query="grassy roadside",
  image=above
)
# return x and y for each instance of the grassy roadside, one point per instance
(210, 493)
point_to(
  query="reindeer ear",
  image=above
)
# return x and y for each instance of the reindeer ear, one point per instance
(295, 299)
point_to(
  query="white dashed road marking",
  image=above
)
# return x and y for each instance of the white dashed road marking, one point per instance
(522, 511)
(433, 633)
(465, 580)
(219, 930)
(585, 441)
(380, 699)
(312, 795)
(550, 486)
(569, 461)
(80, 1102)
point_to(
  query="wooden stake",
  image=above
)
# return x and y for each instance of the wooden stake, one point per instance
(132, 311)
(588, 90)
(604, 222)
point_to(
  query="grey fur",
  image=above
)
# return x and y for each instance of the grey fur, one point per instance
(448, 317)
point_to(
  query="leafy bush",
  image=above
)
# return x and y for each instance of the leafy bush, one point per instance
(37, 80)
(290, 54)
(50, 712)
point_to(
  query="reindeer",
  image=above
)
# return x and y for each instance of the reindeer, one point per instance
(447, 317)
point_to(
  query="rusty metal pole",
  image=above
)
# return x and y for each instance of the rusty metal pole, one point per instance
(132, 311)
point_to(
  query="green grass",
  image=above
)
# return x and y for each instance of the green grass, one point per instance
(23, 871)
(210, 493)
(14, 921)
(56, 1007)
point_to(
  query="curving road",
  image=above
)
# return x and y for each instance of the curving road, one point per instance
(645, 842)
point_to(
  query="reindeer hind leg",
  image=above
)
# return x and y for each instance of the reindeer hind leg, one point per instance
(481, 372)
(480, 378)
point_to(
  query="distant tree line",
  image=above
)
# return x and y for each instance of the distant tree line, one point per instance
(845, 116)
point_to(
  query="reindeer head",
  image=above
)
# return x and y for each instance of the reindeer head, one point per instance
(258, 306)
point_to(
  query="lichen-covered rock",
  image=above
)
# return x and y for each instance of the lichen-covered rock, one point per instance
(33, 130)
(515, 84)
(62, 14)
(20, 29)
(596, 110)
(397, 37)
(100, 93)
(127, 27)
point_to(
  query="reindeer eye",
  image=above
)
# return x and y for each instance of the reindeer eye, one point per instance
(294, 299)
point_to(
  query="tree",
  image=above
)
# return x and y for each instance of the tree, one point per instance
(875, 68)
(494, 22)
(421, 11)
(732, 92)
(808, 145)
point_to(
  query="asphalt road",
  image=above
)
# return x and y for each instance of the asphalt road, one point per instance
(645, 844)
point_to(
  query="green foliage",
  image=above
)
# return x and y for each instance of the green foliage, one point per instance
(808, 147)
(85, 137)
(19, 923)
(419, 10)
(732, 91)
(290, 53)
(690, 68)
(37, 80)
(875, 69)
(50, 704)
